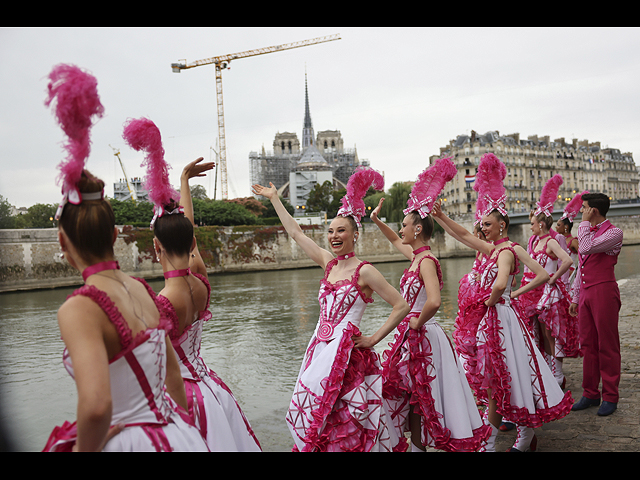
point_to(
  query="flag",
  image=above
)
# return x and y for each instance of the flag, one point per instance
(469, 178)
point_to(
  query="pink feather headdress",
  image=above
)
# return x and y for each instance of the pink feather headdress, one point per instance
(357, 186)
(76, 101)
(143, 134)
(548, 196)
(490, 186)
(429, 186)
(573, 207)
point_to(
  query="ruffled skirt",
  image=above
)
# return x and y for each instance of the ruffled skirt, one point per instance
(337, 403)
(176, 436)
(421, 371)
(218, 416)
(512, 367)
(549, 305)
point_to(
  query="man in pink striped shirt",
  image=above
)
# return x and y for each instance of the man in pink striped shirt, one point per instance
(595, 298)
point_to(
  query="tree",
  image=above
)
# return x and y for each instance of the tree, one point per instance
(128, 212)
(320, 197)
(39, 215)
(251, 204)
(396, 201)
(270, 212)
(6, 219)
(220, 212)
(199, 192)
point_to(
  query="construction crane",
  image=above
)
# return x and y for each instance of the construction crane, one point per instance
(221, 63)
(126, 179)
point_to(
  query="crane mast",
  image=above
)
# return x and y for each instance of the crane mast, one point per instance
(221, 62)
(126, 179)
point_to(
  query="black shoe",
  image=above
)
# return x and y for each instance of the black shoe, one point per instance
(607, 408)
(585, 403)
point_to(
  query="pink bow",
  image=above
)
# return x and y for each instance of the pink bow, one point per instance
(159, 211)
(495, 205)
(546, 209)
(414, 204)
(348, 210)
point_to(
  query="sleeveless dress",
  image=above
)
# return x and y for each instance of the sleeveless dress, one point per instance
(569, 275)
(510, 363)
(550, 304)
(153, 422)
(467, 318)
(421, 369)
(212, 406)
(337, 402)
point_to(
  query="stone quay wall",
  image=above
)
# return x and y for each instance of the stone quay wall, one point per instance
(29, 259)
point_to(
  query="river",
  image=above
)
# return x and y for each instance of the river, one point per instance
(262, 322)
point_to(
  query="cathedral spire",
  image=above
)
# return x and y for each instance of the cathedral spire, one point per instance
(307, 128)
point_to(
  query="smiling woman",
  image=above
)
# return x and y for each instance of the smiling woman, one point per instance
(337, 403)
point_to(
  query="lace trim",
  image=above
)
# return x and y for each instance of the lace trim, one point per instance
(347, 281)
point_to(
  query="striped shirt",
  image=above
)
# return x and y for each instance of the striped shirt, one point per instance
(610, 243)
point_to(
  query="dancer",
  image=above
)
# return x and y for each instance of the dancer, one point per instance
(186, 293)
(564, 227)
(337, 403)
(426, 387)
(113, 330)
(546, 308)
(516, 381)
(596, 301)
(468, 317)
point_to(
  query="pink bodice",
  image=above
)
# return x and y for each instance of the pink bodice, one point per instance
(138, 371)
(412, 285)
(187, 344)
(489, 273)
(340, 303)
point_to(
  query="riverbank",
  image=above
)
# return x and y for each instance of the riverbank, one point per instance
(584, 431)
(29, 259)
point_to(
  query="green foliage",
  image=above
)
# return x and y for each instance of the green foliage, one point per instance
(128, 212)
(6, 220)
(270, 212)
(395, 201)
(220, 212)
(320, 197)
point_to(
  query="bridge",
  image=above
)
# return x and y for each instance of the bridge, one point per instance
(616, 210)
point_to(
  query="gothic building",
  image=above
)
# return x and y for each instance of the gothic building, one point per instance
(295, 168)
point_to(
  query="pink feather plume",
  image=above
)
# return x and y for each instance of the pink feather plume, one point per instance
(490, 177)
(357, 186)
(430, 184)
(549, 193)
(573, 207)
(489, 182)
(143, 135)
(76, 101)
(431, 181)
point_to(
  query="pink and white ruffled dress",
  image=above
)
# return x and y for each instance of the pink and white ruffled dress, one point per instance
(139, 398)
(212, 406)
(467, 317)
(421, 369)
(551, 308)
(337, 402)
(510, 363)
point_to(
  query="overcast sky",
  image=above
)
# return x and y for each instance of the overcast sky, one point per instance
(397, 94)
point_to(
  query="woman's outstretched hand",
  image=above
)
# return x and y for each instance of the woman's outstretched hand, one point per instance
(376, 211)
(264, 191)
(197, 169)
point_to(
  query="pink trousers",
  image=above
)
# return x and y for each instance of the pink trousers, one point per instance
(598, 313)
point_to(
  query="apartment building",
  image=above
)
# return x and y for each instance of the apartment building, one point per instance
(530, 163)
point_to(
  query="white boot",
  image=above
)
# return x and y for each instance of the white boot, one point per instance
(557, 371)
(525, 441)
(491, 441)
